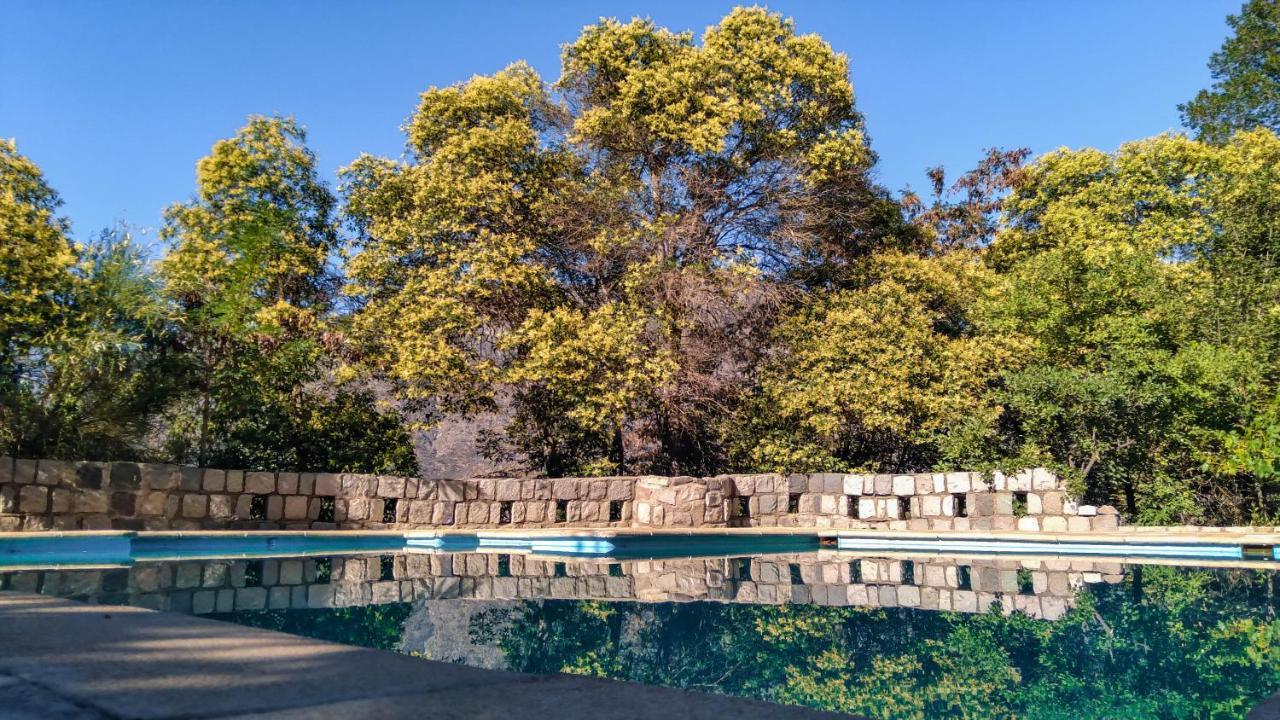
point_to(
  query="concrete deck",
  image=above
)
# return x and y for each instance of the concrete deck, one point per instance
(76, 661)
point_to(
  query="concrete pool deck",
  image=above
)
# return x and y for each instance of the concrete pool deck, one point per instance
(78, 661)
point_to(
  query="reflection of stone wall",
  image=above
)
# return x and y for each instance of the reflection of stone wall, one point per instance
(1039, 588)
(61, 495)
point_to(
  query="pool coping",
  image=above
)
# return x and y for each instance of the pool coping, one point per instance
(114, 548)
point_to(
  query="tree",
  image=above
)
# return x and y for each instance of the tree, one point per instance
(1147, 282)
(250, 273)
(104, 372)
(36, 257)
(660, 202)
(1246, 73)
(880, 376)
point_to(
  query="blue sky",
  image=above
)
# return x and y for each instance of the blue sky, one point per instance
(117, 100)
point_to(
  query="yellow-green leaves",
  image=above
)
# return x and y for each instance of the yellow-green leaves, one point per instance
(605, 252)
(598, 363)
(894, 364)
(35, 255)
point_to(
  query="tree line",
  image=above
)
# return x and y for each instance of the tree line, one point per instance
(676, 258)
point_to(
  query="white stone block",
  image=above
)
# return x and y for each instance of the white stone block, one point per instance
(1020, 482)
(904, 485)
(939, 483)
(852, 484)
(1034, 504)
(1028, 524)
(958, 482)
(1087, 510)
(1042, 479)
(866, 507)
(931, 505)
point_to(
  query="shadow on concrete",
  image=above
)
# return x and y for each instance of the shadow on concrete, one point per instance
(77, 660)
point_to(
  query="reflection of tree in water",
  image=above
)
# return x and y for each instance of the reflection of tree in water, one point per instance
(1167, 643)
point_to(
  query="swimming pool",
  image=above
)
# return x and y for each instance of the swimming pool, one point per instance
(896, 631)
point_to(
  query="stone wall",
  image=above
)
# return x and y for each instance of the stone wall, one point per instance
(1039, 588)
(64, 495)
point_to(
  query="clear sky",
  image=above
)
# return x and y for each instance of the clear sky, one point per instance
(117, 100)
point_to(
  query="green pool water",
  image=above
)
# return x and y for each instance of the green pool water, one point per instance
(867, 635)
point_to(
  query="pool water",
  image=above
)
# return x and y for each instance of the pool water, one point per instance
(880, 636)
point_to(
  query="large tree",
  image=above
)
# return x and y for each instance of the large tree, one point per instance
(1246, 74)
(608, 253)
(250, 272)
(1147, 280)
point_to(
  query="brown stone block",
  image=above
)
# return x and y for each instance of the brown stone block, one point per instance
(214, 480)
(55, 472)
(194, 506)
(295, 507)
(235, 481)
(306, 483)
(6, 469)
(60, 500)
(24, 471)
(221, 506)
(124, 503)
(33, 499)
(260, 483)
(327, 484)
(189, 478)
(275, 507)
(451, 490)
(391, 487)
(287, 483)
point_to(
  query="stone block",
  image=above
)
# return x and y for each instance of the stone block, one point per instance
(194, 506)
(1087, 510)
(54, 472)
(1002, 504)
(883, 484)
(852, 485)
(287, 483)
(1105, 523)
(6, 469)
(214, 480)
(1035, 504)
(924, 484)
(275, 507)
(8, 499)
(507, 490)
(931, 505)
(221, 506)
(260, 483)
(1054, 524)
(1077, 524)
(958, 482)
(447, 490)
(1028, 524)
(88, 475)
(327, 484)
(867, 507)
(24, 471)
(189, 478)
(1051, 501)
(124, 503)
(904, 485)
(235, 481)
(33, 499)
(295, 507)
(391, 487)
(1043, 479)
(125, 476)
(60, 500)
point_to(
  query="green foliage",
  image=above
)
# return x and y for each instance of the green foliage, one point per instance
(1146, 280)
(1167, 643)
(249, 275)
(1246, 73)
(881, 375)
